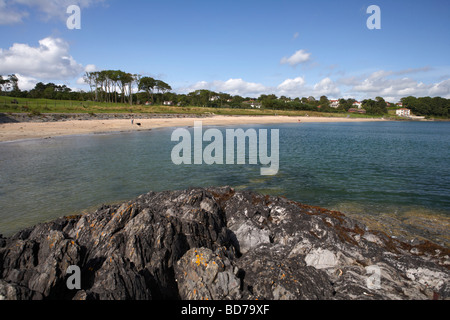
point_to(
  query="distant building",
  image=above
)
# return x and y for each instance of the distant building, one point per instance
(356, 110)
(357, 104)
(400, 104)
(403, 112)
(168, 103)
(334, 103)
(253, 104)
(214, 98)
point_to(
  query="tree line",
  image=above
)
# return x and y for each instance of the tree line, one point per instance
(426, 106)
(117, 86)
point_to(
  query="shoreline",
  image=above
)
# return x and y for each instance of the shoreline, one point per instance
(40, 130)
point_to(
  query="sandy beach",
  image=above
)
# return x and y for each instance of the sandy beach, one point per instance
(33, 130)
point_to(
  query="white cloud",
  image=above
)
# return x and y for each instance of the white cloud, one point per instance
(80, 81)
(236, 86)
(50, 60)
(231, 86)
(26, 83)
(196, 86)
(301, 56)
(326, 87)
(90, 68)
(299, 88)
(441, 89)
(391, 85)
(385, 84)
(291, 87)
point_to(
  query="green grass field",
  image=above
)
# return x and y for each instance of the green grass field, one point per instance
(38, 106)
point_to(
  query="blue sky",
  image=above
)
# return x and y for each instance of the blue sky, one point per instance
(292, 48)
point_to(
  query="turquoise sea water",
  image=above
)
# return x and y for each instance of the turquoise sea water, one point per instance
(376, 169)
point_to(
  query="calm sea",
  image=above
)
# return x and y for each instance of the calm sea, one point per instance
(388, 171)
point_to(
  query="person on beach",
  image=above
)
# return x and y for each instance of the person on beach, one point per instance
(132, 121)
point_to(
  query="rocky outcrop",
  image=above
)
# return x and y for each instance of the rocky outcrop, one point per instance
(217, 243)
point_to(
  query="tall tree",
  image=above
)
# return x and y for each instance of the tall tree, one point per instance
(14, 81)
(148, 85)
(162, 86)
(3, 84)
(125, 80)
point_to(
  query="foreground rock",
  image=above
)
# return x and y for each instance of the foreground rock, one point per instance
(217, 243)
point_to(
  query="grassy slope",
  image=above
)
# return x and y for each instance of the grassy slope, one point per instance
(66, 106)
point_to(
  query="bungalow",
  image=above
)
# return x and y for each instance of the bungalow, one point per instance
(214, 98)
(168, 103)
(334, 103)
(403, 112)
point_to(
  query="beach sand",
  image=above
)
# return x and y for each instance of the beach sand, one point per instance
(33, 130)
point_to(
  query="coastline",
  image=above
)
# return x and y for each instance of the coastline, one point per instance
(39, 130)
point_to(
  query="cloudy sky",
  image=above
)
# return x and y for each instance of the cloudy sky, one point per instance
(294, 48)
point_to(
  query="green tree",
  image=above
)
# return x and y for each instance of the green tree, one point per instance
(381, 105)
(324, 102)
(49, 92)
(378, 107)
(148, 85)
(3, 84)
(163, 87)
(201, 97)
(14, 81)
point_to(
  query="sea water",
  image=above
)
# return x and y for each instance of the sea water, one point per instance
(390, 171)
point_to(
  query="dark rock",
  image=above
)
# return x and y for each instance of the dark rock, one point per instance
(217, 243)
(10, 291)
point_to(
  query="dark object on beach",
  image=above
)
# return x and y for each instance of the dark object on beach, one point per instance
(218, 243)
(138, 123)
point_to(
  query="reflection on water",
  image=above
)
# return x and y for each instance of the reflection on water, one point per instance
(394, 172)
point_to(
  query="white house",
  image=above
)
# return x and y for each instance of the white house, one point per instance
(403, 112)
(357, 104)
(168, 103)
(334, 103)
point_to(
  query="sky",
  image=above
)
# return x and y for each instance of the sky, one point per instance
(289, 48)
